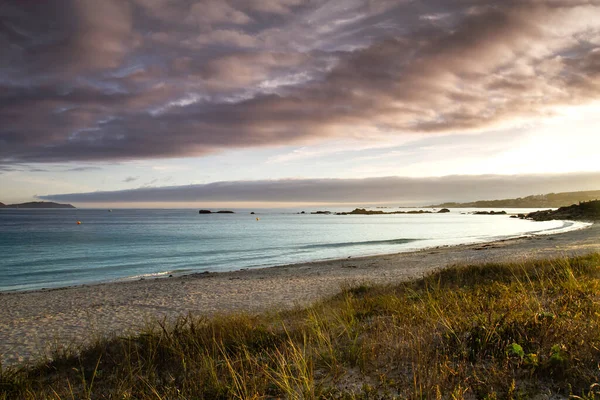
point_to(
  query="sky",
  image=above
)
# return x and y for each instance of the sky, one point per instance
(185, 103)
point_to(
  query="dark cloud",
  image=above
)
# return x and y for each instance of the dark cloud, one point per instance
(390, 189)
(7, 168)
(41, 38)
(131, 179)
(128, 79)
(149, 184)
(82, 169)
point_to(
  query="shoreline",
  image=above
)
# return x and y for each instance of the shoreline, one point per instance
(182, 273)
(34, 322)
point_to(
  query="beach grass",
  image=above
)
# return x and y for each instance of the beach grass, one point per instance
(467, 331)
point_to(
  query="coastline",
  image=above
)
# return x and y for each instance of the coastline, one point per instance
(33, 323)
(415, 245)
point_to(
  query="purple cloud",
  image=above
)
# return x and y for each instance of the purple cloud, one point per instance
(131, 79)
(387, 189)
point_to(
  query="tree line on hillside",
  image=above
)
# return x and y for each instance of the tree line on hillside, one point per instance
(550, 200)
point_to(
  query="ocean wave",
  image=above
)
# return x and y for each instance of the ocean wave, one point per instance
(155, 274)
(352, 244)
(567, 226)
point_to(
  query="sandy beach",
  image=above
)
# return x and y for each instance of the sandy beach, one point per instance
(34, 323)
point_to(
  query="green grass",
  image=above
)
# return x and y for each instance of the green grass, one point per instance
(487, 331)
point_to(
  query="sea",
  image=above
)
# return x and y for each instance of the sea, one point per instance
(47, 248)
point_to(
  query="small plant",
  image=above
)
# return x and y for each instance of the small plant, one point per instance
(558, 355)
(515, 350)
(531, 360)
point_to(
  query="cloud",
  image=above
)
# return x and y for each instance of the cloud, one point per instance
(83, 169)
(63, 37)
(150, 183)
(223, 37)
(387, 189)
(82, 80)
(131, 179)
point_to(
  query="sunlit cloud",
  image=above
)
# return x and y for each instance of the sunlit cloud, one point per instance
(144, 79)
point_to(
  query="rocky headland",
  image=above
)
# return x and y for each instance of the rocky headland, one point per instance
(585, 211)
(550, 200)
(37, 204)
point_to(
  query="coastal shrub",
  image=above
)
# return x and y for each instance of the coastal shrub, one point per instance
(468, 331)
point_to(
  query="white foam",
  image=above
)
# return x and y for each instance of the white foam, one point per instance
(150, 275)
(567, 226)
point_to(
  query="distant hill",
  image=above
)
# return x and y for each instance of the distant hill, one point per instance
(550, 200)
(37, 204)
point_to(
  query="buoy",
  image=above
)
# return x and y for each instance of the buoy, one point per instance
(257, 219)
(78, 222)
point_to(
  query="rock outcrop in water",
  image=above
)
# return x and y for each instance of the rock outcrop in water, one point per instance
(362, 211)
(585, 211)
(489, 213)
(37, 204)
(218, 212)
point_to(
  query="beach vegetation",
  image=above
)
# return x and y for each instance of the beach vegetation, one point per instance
(468, 331)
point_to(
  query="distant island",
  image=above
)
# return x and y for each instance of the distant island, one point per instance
(37, 204)
(550, 200)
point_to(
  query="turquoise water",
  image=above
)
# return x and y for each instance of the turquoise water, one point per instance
(46, 248)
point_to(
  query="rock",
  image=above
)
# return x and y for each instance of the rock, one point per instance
(443, 210)
(362, 211)
(204, 212)
(252, 213)
(225, 212)
(584, 211)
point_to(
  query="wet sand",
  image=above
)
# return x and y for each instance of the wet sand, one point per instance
(32, 324)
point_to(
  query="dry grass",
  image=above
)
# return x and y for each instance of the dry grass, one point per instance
(491, 331)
